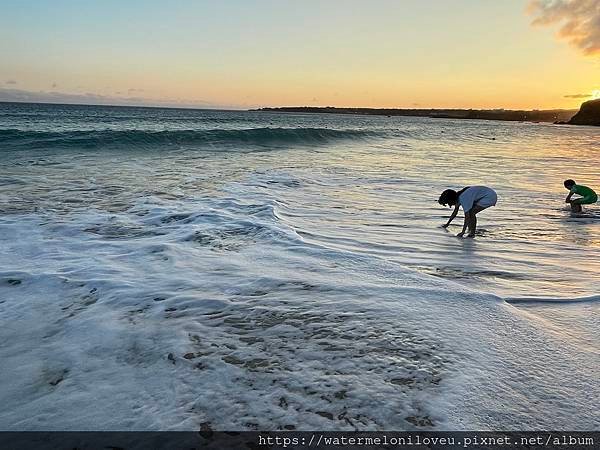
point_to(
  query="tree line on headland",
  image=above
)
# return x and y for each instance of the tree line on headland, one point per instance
(589, 113)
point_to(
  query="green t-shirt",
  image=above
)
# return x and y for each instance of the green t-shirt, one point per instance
(584, 191)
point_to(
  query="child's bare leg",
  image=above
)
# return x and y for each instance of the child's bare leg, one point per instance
(473, 222)
(473, 225)
(576, 207)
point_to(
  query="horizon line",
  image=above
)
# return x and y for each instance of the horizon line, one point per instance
(195, 108)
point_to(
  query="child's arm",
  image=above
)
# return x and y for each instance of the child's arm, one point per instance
(465, 223)
(452, 216)
(568, 199)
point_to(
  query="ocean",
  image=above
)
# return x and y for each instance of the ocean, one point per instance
(166, 268)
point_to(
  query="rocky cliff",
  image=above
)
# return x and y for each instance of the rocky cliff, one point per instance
(589, 114)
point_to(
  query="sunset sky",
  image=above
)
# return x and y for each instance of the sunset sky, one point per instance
(249, 53)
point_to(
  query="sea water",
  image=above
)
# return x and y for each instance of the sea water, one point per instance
(166, 268)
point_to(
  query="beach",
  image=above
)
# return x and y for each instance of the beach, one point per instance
(167, 269)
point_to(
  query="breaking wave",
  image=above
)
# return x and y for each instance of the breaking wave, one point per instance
(16, 139)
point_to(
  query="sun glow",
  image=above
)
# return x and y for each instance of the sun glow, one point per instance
(596, 94)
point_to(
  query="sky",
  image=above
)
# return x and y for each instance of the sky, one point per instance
(513, 54)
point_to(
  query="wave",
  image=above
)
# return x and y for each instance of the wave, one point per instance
(18, 139)
(591, 298)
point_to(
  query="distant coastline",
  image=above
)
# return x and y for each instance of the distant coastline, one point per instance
(589, 115)
(553, 115)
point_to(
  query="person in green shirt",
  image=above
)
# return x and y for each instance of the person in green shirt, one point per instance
(588, 196)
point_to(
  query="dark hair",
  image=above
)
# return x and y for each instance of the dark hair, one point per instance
(450, 196)
(569, 183)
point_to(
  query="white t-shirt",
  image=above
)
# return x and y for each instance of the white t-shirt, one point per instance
(480, 195)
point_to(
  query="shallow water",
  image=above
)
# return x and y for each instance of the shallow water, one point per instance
(293, 265)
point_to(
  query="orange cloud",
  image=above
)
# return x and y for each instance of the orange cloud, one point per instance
(578, 96)
(579, 21)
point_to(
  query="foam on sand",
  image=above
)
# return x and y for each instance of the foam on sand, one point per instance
(139, 334)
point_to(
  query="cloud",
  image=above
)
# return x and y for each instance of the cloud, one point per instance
(90, 98)
(11, 82)
(579, 21)
(578, 96)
